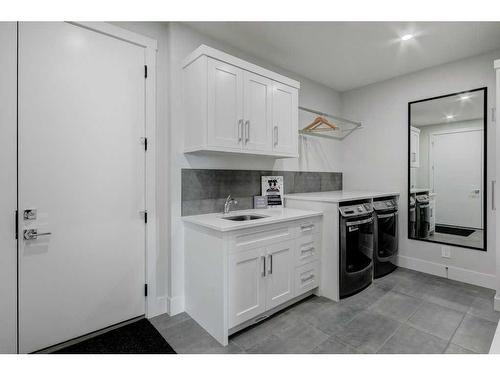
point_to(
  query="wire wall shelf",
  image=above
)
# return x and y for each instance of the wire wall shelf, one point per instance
(343, 127)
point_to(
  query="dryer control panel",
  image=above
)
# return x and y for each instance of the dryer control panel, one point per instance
(388, 204)
(356, 210)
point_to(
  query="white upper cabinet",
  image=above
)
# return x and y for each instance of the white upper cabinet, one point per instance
(285, 117)
(258, 93)
(414, 147)
(225, 105)
(233, 106)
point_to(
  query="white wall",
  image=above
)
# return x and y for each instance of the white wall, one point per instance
(376, 157)
(321, 156)
(8, 188)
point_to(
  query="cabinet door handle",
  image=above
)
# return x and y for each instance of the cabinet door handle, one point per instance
(247, 128)
(307, 227)
(270, 264)
(275, 135)
(240, 130)
(264, 268)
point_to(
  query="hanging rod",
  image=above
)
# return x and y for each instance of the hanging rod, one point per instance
(330, 115)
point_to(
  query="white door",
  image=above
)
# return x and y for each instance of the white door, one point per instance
(247, 289)
(457, 177)
(81, 166)
(8, 192)
(280, 273)
(225, 105)
(285, 119)
(257, 112)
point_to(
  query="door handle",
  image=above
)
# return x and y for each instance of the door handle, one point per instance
(275, 135)
(32, 234)
(264, 268)
(270, 264)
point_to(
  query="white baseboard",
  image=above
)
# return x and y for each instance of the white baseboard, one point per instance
(158, 307)
(175, 305)
(421, 265)
(453, 273)
(496, 302)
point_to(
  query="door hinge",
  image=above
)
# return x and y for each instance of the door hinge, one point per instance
(145, 71)
(145, 290)
(144, 141)
(145, 216)
(16, 225)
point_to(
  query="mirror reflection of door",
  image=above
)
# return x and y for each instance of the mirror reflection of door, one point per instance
(446, 162)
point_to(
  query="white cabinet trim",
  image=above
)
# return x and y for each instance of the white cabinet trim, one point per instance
(205, 50)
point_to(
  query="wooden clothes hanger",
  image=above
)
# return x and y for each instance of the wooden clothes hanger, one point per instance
(315, 126)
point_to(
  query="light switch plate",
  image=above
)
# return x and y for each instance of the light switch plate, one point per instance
(445, 251)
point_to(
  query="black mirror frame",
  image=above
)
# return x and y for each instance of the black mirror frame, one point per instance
(485, 169)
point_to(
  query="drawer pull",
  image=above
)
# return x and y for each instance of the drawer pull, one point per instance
(309, 249)
(307, 227)
(308, 278)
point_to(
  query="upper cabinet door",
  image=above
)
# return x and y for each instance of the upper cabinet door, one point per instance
(257, 134)
(280, 272)
(225, 105)
(285, 119)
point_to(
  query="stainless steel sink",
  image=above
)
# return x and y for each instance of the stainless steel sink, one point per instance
(244, 217)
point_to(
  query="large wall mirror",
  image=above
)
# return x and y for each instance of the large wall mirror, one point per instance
(447, 171)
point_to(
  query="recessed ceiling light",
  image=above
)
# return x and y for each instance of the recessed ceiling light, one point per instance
(465, 97)
(449, 117)
(407, 37)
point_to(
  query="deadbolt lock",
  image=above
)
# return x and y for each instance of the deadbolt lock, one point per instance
(29, 214)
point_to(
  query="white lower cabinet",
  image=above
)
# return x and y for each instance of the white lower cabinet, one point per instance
(306, 277)
(238, 278)
(259, 280)
(247, 285)
(279, 274)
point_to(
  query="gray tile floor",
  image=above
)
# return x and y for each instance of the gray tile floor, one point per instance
(404, 312)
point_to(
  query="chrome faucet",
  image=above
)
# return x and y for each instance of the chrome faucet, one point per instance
(229, 201)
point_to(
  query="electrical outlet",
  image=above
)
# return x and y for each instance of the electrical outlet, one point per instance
(445, 251)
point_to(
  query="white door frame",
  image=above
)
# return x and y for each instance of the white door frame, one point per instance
(431, 160)
(155, 304)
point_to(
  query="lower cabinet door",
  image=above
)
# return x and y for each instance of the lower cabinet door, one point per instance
(280, 273)
(247, 285)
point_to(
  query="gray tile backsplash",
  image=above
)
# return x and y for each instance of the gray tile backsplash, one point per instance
(205, 190)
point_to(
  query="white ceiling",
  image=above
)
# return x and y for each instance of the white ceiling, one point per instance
(432, 112)
(346, 55)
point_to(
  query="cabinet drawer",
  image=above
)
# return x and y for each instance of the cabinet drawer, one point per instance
(307, 249)
(262, 236)
(306, 277)
(308, 226)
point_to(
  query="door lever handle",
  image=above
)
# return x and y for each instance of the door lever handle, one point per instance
(32, 234)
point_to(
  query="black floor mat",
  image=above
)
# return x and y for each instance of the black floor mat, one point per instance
(135, 338)
(453, 230)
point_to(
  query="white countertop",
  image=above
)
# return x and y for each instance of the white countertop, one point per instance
(337, 196)
(217, 222)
